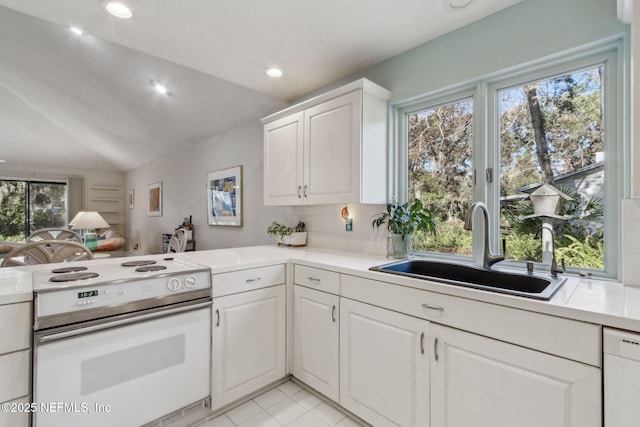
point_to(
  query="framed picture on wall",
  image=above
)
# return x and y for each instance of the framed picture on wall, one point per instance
(224, 197)
(155, 199)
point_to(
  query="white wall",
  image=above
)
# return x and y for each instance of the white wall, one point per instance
(183, 175)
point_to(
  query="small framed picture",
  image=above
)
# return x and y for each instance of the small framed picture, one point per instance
(155, 199)
(224, 197)
(131, 198)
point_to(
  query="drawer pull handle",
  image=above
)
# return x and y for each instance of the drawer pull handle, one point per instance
(422, 343)
(435, 349)
(432, 307)
(305, 192)
(257, 279)
(299, 188)
(218, 316)
(313, 279)
(333, 314)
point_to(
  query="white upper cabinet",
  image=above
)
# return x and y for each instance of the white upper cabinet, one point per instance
(328, 150)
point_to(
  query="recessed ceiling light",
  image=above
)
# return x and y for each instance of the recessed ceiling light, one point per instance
(456, 5)
(159, 87)
(274, 72)
(3, 161)
(77, 31)
(118, 9)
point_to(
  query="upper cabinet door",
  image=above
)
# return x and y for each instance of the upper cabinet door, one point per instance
(283, 161)
(331, 149)
(332, 136)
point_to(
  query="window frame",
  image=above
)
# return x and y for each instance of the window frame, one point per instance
(614, 55)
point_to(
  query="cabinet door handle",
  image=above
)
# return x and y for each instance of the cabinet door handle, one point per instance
(432, 307)
(422, 343)
(218, 318)
(257, 279)
(333, 314)
(299, 189)
(313, 279)
(435, 349)
(305, 191)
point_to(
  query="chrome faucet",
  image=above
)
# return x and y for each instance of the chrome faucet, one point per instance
(554, 265)
(488, 259)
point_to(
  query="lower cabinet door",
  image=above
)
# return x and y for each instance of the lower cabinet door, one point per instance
(478, 381)
(316, 340)
(384, 365)
(248, 343)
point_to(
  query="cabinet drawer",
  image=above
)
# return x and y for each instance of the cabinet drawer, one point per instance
(15, 371)
(316, 278)
(16, 327)
(247, 280)
(563, 337)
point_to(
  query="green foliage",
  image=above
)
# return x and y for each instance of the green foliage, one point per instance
(451, 238)
(586, 253)
(12, 210)
(276, 229)
(406, 219)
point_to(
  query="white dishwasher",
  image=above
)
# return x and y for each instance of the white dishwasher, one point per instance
(621, 378)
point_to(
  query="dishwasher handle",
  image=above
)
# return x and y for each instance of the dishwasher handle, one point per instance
(44, 337)
(621, 343)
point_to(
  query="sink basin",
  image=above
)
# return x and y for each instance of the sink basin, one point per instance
(525, 285)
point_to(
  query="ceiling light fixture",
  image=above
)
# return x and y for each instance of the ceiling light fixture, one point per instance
(456, 5)
(159, 87)
(77, 31)
(274, 72)
(118, 9)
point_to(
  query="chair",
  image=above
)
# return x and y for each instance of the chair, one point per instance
(178, 241)
(54, 234)
(45, 252)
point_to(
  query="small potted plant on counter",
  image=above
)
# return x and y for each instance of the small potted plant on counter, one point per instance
(290, 236)
(402, 221)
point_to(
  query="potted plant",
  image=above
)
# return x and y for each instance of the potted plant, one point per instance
(402, 220)
(291, 236)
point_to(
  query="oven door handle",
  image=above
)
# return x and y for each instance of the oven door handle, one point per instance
(103, 324)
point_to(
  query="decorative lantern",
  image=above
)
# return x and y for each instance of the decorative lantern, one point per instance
(547, 201)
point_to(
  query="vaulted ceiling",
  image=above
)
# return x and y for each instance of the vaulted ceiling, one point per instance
(88, 101)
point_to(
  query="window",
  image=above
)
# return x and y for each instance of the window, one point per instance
(27, 206)
(500, 139)
(440, 142)
(551, 132)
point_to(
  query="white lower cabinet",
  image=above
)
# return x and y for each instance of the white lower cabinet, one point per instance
(478, 381)
(384, 365)
(316, 340)
(248, 343)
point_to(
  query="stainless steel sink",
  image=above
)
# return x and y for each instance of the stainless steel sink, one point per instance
(525, 285)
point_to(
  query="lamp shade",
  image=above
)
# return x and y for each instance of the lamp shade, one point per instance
(88, 221)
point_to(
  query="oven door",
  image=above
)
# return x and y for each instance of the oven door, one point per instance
(123, 373)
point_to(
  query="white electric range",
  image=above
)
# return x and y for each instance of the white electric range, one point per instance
(121, 342)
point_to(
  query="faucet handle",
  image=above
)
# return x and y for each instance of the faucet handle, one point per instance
(504, 247)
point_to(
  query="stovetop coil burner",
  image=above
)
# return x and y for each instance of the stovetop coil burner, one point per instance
(69, 269)
(148, 268)
(138, 263)
(70, 277)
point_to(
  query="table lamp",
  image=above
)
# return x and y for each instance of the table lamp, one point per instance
(89, 221)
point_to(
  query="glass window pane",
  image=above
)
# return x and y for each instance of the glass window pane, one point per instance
(440, 172)
(12, 210)
(551, 132)
(47, 205)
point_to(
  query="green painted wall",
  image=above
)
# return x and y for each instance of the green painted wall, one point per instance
(527, 31)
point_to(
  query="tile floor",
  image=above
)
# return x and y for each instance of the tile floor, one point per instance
(286, 405)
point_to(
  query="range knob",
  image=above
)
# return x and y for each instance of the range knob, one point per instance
(191, 281)
(173, 284)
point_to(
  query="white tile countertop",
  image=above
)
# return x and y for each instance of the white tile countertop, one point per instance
(597, 301)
